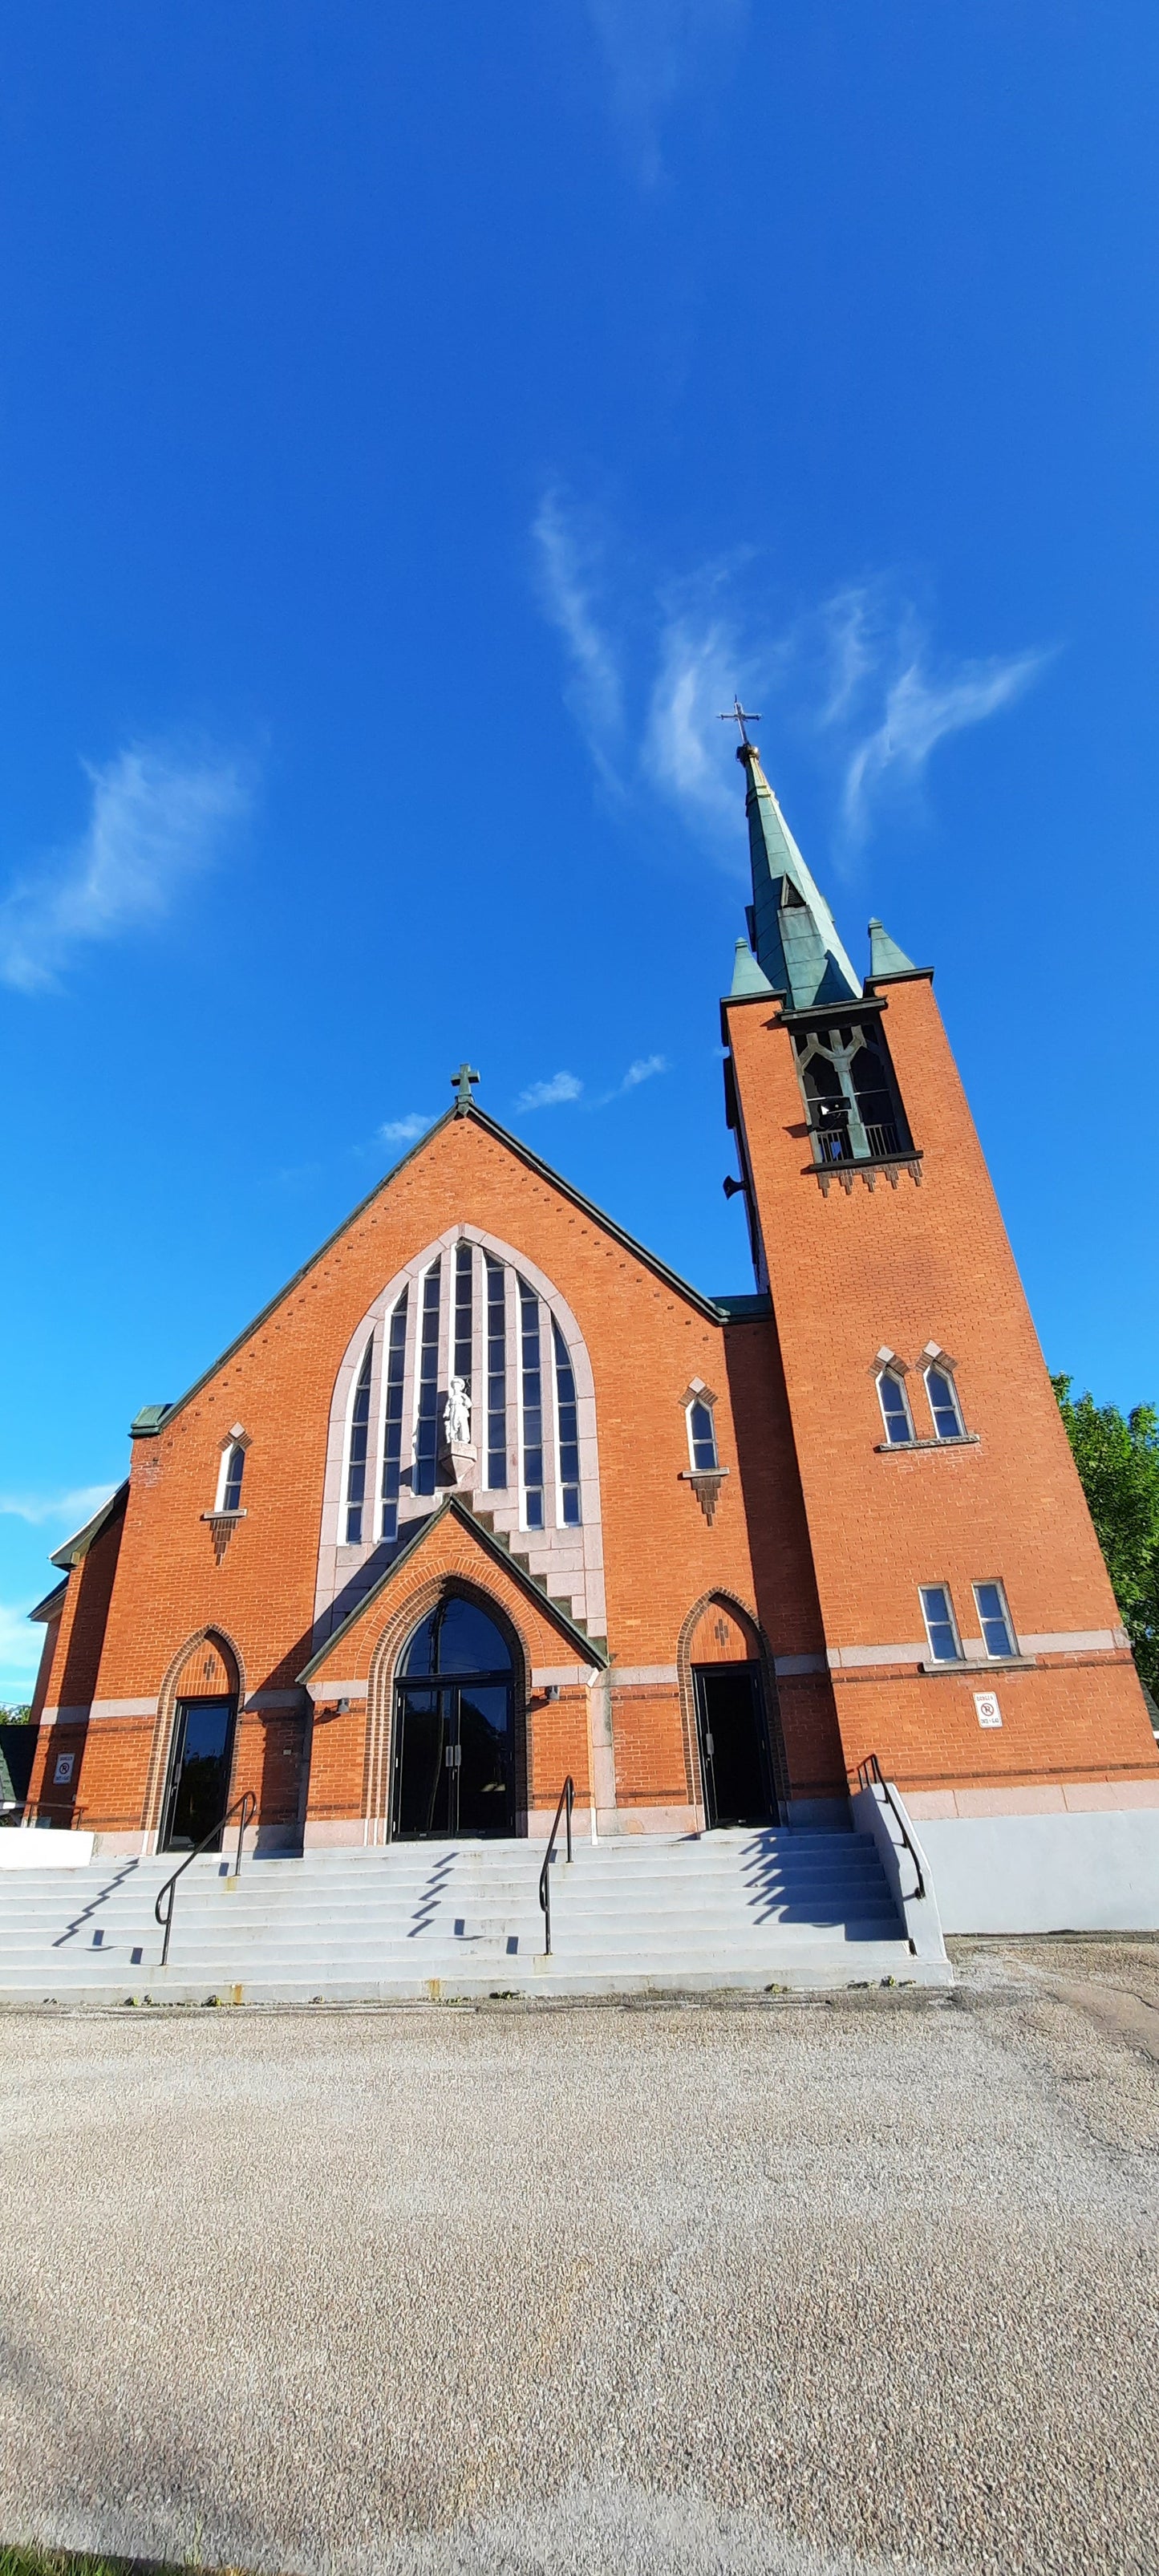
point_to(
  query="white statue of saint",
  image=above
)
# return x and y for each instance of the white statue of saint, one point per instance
(457, 1415)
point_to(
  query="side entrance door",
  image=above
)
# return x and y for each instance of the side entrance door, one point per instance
(734, 1752)
(199, 1771)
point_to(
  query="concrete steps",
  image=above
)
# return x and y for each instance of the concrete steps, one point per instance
(647, 1914)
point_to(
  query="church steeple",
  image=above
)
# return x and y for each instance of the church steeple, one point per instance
(792, 930)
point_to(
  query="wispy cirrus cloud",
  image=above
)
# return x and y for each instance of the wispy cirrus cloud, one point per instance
(919, 714)
(854, 682)
(569, 574)
(156, 819)
(403, 1131)
(20, 1645)
(69, 1511)
(655, 51)
(550, 1094)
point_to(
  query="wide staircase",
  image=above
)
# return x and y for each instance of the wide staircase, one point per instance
(767, 1910)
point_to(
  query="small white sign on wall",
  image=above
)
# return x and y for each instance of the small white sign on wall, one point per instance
(989, 1713)
(63, 1772)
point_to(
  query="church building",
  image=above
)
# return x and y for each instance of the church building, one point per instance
(489, 1496)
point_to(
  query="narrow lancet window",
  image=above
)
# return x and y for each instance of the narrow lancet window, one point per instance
(463, 1354)
(234, 1470)
(702, 1437)
(944, 1406)
(496, 1375)
(532, 1389)
(356, 1462)
(567, 1417)
(392, 1428)
(427, 1419)
(895, 1412)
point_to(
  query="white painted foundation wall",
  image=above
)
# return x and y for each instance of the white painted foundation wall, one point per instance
(1093, 1872)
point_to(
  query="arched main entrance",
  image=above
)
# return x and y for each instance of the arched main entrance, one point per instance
(732, 1719)
(454, 1728)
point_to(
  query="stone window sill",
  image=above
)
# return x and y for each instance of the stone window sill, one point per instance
(993, 1664)
(225, 1519)
(902, 1448)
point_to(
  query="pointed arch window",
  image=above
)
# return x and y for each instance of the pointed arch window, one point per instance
(894, 1402)
(356, 1457)
(702, 1448)
(230, 1479)
(945, 1409)
(468, 1382)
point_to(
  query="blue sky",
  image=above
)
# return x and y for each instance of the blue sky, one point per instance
(414, 426)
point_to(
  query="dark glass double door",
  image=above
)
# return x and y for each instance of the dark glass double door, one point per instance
(454, 1767)
(199, 1771)
(734, 1745)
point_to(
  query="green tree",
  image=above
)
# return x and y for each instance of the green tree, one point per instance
(16, 1716)
(1117, 1457)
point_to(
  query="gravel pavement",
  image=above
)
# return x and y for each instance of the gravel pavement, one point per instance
(800, 2285)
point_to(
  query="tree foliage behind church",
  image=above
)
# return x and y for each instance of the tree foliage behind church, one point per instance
(1117, 1456)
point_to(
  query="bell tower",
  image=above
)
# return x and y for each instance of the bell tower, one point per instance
(971, 1635)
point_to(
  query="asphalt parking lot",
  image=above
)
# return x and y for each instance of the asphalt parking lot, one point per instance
(835, 2283)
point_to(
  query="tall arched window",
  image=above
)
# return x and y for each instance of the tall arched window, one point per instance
(945, 1410)
(356, 1463)
(895, 1412)
(229, 1479)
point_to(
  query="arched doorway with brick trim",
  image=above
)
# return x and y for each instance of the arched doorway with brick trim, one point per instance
(396, 1691)
(194, 1738)
(734, 1748)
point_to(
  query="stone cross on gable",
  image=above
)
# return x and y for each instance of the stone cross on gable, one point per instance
(461, 1086)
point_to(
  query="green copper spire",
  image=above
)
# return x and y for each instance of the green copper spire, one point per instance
(790, 924)
(885, 957)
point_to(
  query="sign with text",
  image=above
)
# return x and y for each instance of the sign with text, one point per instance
(989, 1713)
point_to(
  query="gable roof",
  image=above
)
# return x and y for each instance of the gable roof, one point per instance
(81, 1541)
(454, 1508)
(153, 1418)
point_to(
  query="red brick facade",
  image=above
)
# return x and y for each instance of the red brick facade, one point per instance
(803, 1559)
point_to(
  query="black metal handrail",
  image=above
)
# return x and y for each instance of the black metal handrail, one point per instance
(871, 1777)
(566, 1803)
(243, 1808)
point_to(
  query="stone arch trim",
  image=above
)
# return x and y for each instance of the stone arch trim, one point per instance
(230, 1653)
(384, 1662)
(745, 1612)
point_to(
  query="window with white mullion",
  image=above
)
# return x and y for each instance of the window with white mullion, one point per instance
(532, 1408)
(431, 1343)
(393, 1414)
(565, 1421)
(492, 1439)
(358, 1443)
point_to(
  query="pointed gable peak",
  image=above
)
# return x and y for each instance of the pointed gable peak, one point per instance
(797, 944)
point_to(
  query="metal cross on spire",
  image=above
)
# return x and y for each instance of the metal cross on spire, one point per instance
(461, 1085)
(738, 715)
